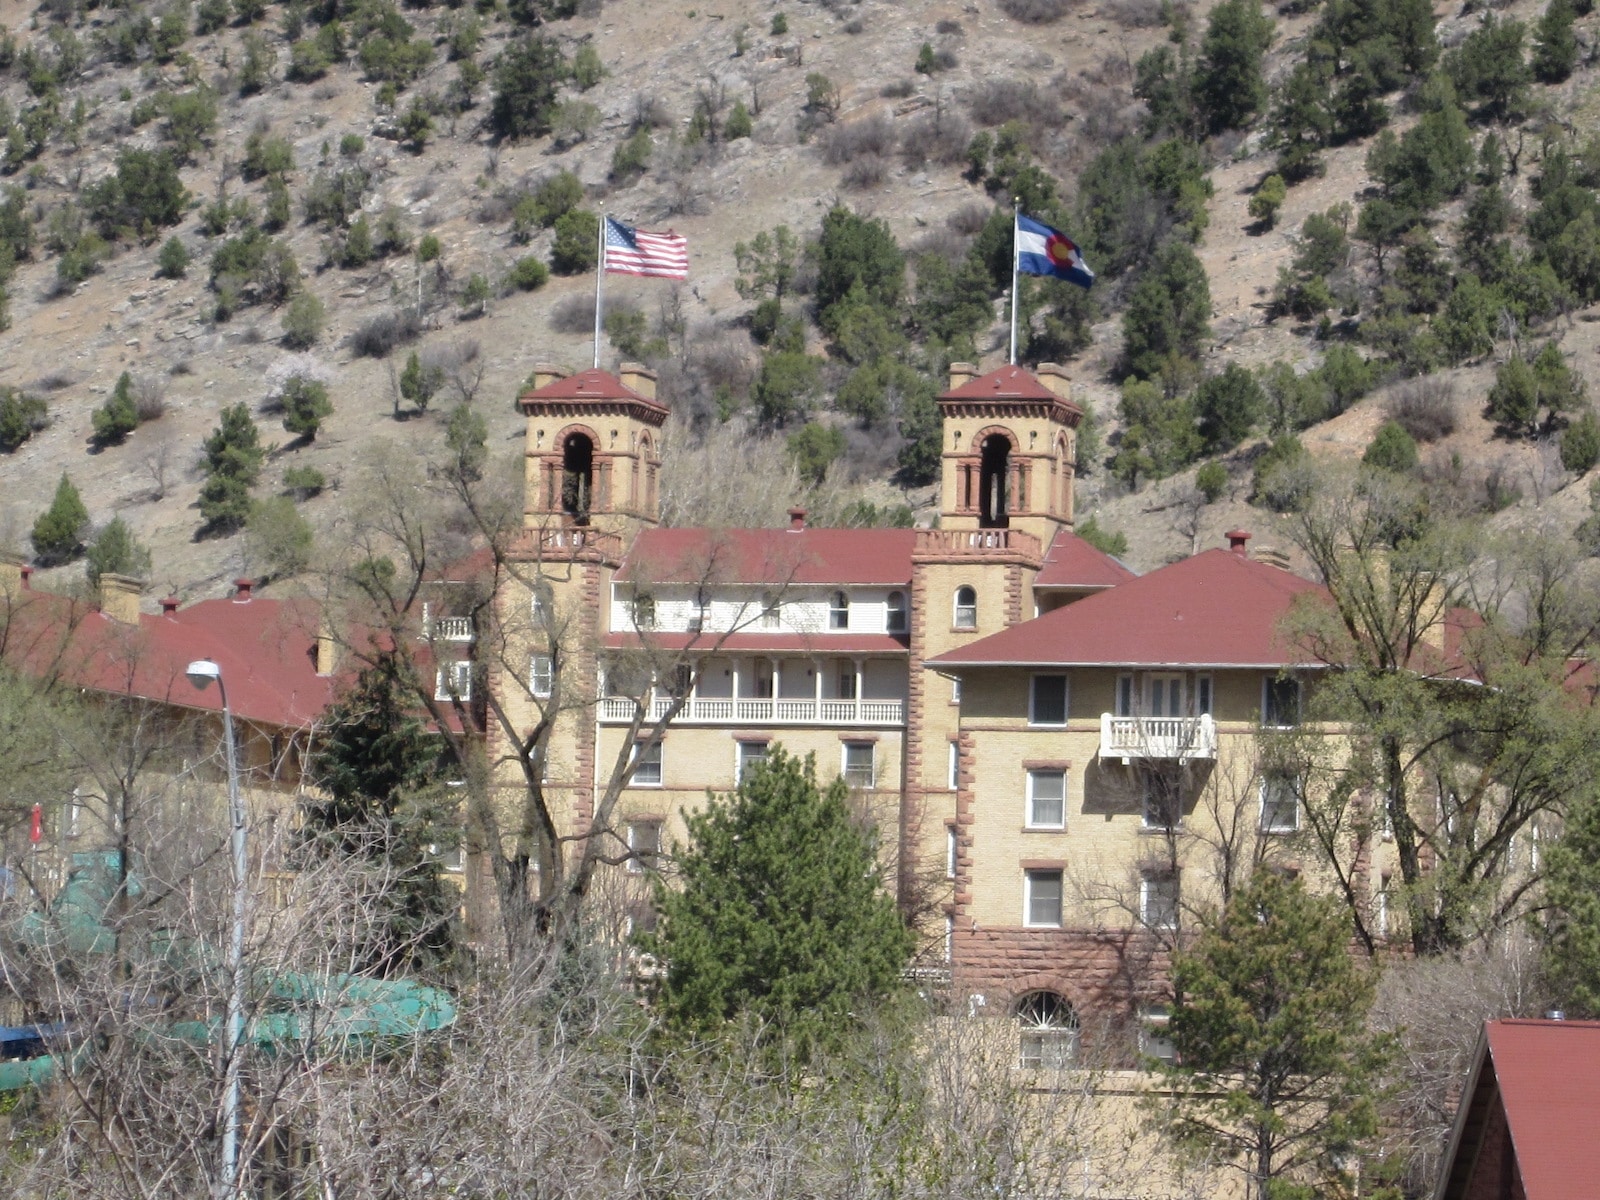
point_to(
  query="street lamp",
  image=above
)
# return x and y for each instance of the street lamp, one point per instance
(201, 672)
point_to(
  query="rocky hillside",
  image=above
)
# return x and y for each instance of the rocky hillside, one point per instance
(352, 196)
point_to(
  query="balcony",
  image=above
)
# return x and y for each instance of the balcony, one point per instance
(448, 629)
(1179, 739)
(976, 543)
(713, 710)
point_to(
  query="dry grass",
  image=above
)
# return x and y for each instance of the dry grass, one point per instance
(1425, 408)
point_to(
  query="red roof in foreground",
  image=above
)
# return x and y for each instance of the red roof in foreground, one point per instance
(1073, 564)
(1539, 1081)
(266, 649)
(771, 556)
(1217, 609)
(766, 643)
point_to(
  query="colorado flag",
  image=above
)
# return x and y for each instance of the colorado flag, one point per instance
(1045, 251)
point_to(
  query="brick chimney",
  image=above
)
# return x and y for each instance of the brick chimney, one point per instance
(241, 591)
(169, 605)
(639, 378)
(961, 373)
(327, 651)
(797, 520)
(1236, 541)
(1054, 377)
(119, 597)
(545, 374)
(14, 572)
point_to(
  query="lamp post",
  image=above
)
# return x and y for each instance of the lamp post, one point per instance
(201, 673)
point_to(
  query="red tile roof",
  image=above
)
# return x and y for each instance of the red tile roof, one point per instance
(767, 643)
(1007, 383)
(771, 556)
(1072, 564)
(1217, 609)
(1546, 1075)
(593, 384)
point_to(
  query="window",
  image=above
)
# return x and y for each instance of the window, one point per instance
(839, 611)
(771, 613)
(1041, 902)
(1047, 799)
(750, 753)
(952, 851)
(1124, 702)
(966, 608)
(700, 614)
(644, 611)
(1158, 899)
(1280, 804)
(541, 675)
(1163, 800)
(447, 855)
(847, 683)
(1380, 915)
(953, 780)
(540, 606)
(949, 938)
(1154, 1041)
(896, 618)
(858, 764)
(955, 691)
(646, 765)
(1280, 703)
(1202, 695)
(453, 682)
(644, 842)
(1048, 704)
(1048, 1032)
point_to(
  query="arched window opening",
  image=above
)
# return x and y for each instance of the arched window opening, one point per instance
(897, 612)
(966, 607)
(577, 477)
(1049, 1031)
(994, 500)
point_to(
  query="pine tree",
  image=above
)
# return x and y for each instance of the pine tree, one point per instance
(118, 417)
(1229, 86)
(1169, 313)
(305, 406)
(117, 552)
(58, 533)
(780, 917)
(1555, 49)
(233, 457)
(1276, 1072)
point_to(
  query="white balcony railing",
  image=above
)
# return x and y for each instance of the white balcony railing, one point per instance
(1179, 738)
(448, 629)
(705, 710)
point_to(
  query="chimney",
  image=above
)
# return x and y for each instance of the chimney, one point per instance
(797, 520)
(1054, 377)
(169, 605)
(119, 597)
(545, 374)
(14, 572)
(241, 591)
(1236, 540)
(639, 378)
(327, 651)
(961, 373)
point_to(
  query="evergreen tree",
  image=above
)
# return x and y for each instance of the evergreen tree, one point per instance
(1169, 313)
(527, 78)
(1229, 86)
(305, 406)
(1491, 68)
(1580, 443)
(116, 551)
(1391, 449)
(923, 434)
(58, 533)
(1276, 1071)
(375, 764)
(1555, 49)
(1228, 406)
(1302, 122)
(780, 917)
(114, 420)
(233, 457)
(467, 437)
(1514, 398)
(855, 251)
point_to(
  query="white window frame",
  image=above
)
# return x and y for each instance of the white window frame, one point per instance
(1152, 889)
(955, 690)
(1167, 680)
(1034, 777)
(699, 611)
(1205, 696)
(644, 854)
(649, 757)
(1123, 703)
(771, 613)
(949, 938)
(539, 604)
(853, 773)
(895, 616)
(952, 851)
(642, 608)
(964, 616)
(1033, 700)
(1270, 781)
(1154, 1039)
(839, 610)
(1032, 876)
(541, 676)
(1153, 784)
(1047, 1043)
(453, 680)
(1266, 695)
(745, 758)
(953, 768)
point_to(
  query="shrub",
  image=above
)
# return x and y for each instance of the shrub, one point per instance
(232, 461)
(21, 416)
(1211, 480)
(1425, 409)
(996, 101)
(419, 381)
(1391, 449)
(143, 195)
(813, 448)
(1278, 480)
(376, 337)
(149, 399)
(58, 533)
(845, 143)
(428, 248)
(115, 551)
(475, 295)
(738, 124)
(780, 24)
(1035, 12)
(302, 483)
(173, 261)
(1268, 198)
(305, 406)
(528, 274)
(573, 252)
(631, 158)
(278, 539)
(1107, 541)
(303, 320)
(115, 419)
(587, 69)
(527, 77)
(1580, 443)
(266, 156)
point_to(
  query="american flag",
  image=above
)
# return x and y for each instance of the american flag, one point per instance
(631, 251)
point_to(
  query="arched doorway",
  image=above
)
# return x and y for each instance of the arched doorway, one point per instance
(994, 499)
(577, 477)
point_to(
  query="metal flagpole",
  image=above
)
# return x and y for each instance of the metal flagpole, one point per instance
(599, 274)
(1015, 209)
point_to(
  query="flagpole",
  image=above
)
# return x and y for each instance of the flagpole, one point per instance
(599, 275)
(1015, 209)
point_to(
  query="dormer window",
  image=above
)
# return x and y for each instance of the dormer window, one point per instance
(644, 611)
(896, 620)
(700, 612)
(771, 614)
(839, 611)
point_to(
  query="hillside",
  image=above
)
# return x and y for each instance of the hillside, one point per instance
(71, 338)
